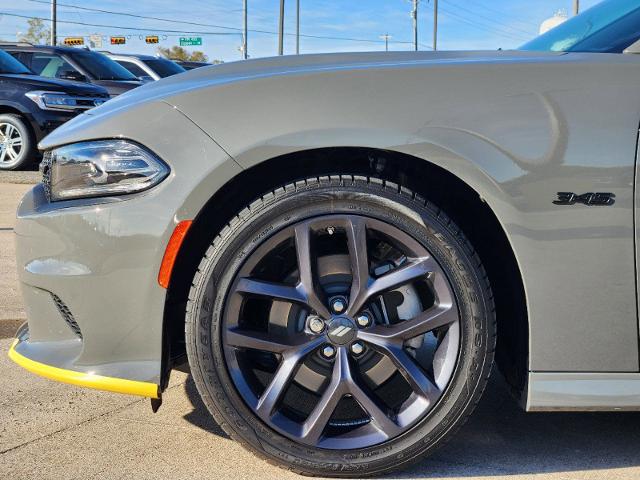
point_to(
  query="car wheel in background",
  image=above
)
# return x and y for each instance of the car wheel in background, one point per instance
(17, 143)
(340, 326)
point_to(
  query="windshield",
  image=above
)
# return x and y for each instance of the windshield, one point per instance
(100, 66)
(164, 67)
(608, 27)
(8, 64)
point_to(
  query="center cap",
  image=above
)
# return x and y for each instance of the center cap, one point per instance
(342, 330)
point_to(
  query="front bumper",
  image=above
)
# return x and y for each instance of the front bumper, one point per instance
(21, 348)
(88, 268)
(87, 278)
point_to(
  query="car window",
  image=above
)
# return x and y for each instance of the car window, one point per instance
(100, 66)
(163, 67)
(8, 64)
(609, 26)
(133, 68)
(50, 65)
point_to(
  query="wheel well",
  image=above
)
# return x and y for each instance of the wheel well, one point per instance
(459, 201)
(8, 109)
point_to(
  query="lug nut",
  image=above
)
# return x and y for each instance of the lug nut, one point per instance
(338, 305)
(328, 351)
(363, 320)
(357, 348)
(315, 324)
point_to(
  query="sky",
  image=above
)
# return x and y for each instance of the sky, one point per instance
(350, 25)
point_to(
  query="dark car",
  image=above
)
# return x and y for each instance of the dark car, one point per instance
(147, 67)
(78, 64)
(32, 106)
(189, 65)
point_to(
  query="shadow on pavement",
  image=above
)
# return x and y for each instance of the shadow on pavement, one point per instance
(501, 439)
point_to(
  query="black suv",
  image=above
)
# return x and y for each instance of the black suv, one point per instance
(77, 64)
(32, 106)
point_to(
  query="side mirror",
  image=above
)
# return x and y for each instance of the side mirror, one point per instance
(72, 75)
(145, 78)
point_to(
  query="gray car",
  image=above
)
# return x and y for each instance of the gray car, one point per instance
(146, 67)
(339, 245)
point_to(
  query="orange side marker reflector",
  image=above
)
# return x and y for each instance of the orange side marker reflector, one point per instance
(171, 253)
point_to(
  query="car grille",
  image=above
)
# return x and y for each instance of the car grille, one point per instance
(67, 315)
(45, 170)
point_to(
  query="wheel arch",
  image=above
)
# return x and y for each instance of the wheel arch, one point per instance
(461, 202)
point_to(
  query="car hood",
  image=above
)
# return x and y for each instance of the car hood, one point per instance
(168, 88)
(54, 84)
(206, 94)
(117, 87)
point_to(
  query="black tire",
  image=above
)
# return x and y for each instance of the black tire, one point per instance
(356, 195)
(27, 151)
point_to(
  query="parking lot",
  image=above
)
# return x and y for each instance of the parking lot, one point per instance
(50, 430)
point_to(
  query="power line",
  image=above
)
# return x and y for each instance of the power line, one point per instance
(174, 21)
(504, 14)
(483, 26)
(516, 30)
(71, 22)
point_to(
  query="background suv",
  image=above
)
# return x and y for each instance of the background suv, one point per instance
(32, 106)
(147, 67)
(75, 64)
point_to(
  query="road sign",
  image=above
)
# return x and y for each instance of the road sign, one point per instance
(152, 39)
(74, 41)
(118, 40)
(190, 41)
(95, 41)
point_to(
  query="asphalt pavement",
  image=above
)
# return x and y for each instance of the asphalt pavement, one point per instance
(50, 430)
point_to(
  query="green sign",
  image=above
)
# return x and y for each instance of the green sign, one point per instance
(190, 41)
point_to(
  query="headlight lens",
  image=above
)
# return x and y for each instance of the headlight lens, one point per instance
(101, 168)
(62, 101)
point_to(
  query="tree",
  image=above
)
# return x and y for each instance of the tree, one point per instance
(179, 53)
(37, 32)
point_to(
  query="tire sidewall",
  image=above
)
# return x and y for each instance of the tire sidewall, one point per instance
(264, 218)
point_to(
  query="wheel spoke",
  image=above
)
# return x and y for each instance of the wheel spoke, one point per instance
(319, 417)
(378, 416)
(408, 368)
(260, 341)
(435, 317)
(412, 270)
(357, 243)
(12, 153)
(277, 291)
(291, 359)
(306, 266)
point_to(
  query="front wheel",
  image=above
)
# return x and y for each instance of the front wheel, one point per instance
(17, 142)
(340, 326)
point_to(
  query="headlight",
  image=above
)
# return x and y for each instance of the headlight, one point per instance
(63, 101)
(100, 168)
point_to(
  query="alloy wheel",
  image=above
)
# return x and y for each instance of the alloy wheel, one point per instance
(11, 144)
(341, 331)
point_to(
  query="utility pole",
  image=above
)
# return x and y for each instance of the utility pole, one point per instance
(386, 38)
(281, 30)
(54, 22)
(435, 25)
(297, 27)
(576, 7)
(245, 53)
(414, 16)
